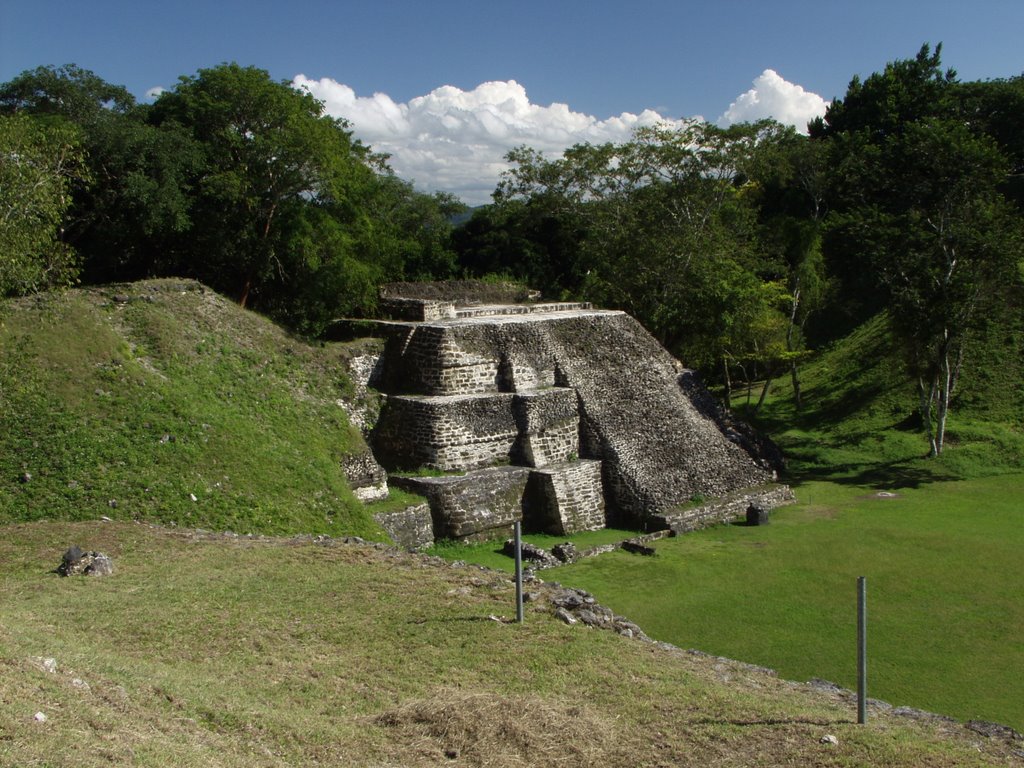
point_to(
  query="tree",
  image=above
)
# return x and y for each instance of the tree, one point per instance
(667, 231)
(269, 152)
(38, 164)
(68, 92)
(919, 223)
(950, 248)
(121, 223)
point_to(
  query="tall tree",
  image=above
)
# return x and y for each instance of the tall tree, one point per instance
(269, 152)
(919, 223)
(668, 232)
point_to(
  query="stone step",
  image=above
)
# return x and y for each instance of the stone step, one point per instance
(496, 310)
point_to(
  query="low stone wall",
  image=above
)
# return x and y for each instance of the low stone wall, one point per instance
(412, 527)
(722, 510)
(416, 309)
(479, 505)
(366, 478)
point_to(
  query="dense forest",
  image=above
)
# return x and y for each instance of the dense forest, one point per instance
(743, 249)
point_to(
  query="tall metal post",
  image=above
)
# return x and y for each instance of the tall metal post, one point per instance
(519, 571)
(862, 650)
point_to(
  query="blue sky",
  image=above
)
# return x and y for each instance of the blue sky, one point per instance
(607, 62)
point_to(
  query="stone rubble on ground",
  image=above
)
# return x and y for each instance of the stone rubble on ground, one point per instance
(77, 561)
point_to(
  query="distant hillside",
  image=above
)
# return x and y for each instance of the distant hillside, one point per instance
(163, 401)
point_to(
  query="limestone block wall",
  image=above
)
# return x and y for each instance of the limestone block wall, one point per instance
(586, 398)
(450, 432)
(477, 505)
(412, 527)
(425, 359)
(566, 498)
(659, 450)
(366, 478)
(723, 510)
(548, 425)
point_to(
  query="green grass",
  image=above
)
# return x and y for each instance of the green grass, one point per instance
(859, 425)
(176, 407)
(944, 585)
(213, 651)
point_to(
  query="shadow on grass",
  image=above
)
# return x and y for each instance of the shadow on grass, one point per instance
(895, 474)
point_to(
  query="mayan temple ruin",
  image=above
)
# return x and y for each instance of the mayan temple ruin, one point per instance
(569, 418)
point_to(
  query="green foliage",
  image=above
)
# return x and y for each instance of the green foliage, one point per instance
(174, 407)
(920, 223)
(243, 183)
(661, 226)
(68, 92)
(38, 164)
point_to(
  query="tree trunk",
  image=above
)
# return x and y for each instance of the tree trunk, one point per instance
(797, 400)
(728, 382)
(769, 376)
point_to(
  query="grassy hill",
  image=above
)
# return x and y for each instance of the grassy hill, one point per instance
(163, 401)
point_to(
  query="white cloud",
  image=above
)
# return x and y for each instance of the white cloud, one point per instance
(155, 91)
(773, 96)
(455, 140)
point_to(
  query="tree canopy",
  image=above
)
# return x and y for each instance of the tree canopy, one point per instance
(239, 181)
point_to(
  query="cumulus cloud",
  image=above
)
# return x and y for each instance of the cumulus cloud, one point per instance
(773, 96)
(155, 91)
(456, 140)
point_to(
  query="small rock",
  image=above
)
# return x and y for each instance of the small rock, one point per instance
(589, 618)
(40, 717)
(80, 684)
(46, 664)
(994, 730)
(566, 552)
(828, 738)
(77, 562)
(565, 616)
(530, 597)
(757, 515)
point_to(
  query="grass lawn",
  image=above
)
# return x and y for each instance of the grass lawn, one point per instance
(943, 564)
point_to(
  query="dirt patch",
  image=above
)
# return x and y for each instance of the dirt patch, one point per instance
(488, 729)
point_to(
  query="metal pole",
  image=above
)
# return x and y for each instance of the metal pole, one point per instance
(862, 650)
(517, 527)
